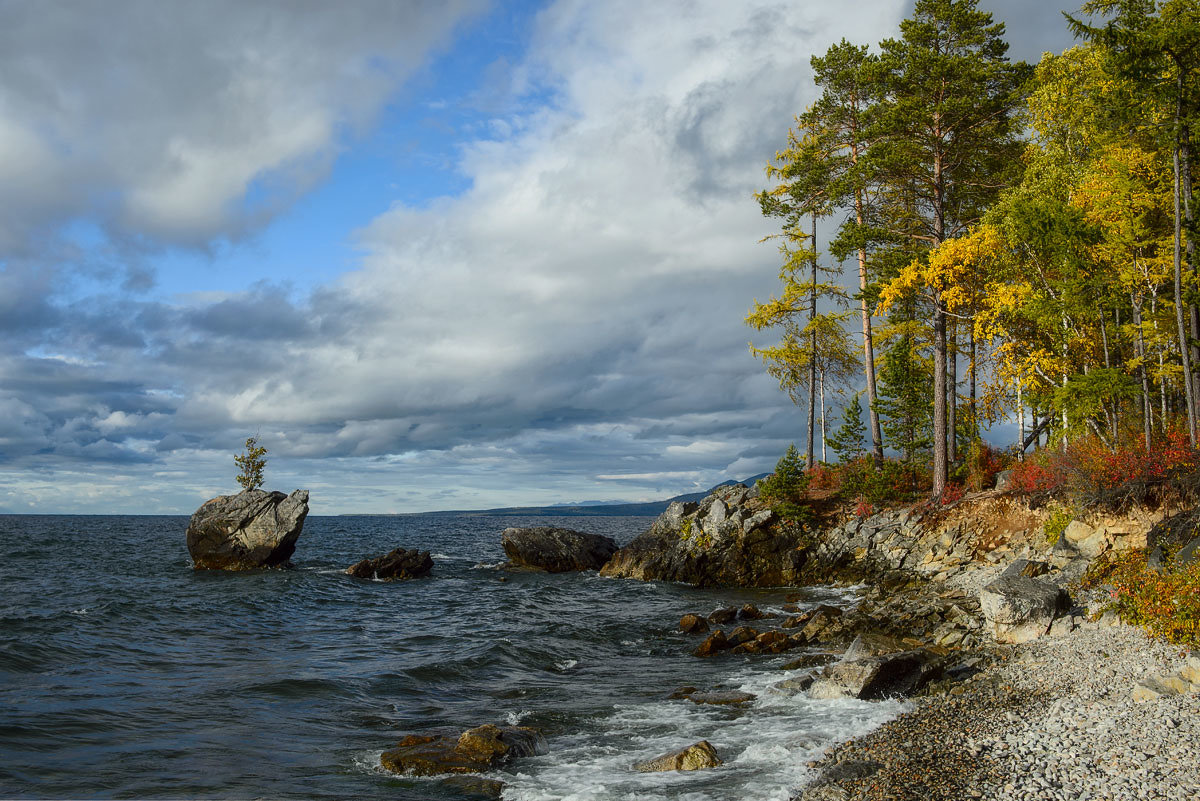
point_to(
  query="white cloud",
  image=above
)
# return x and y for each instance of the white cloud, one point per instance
(189, 122)
(575, 313)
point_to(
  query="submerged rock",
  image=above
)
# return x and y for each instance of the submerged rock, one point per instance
(473, 751)
(250, 530)
(720, 698)
(397, 564)
(695, 757)
(556, 550)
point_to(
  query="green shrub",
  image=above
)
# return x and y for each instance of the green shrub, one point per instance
(1056, 524)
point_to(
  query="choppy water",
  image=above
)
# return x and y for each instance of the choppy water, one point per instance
(126, 674)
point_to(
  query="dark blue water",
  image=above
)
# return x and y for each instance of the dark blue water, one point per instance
(126, 674)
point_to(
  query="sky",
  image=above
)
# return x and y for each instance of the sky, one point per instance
(452, 254)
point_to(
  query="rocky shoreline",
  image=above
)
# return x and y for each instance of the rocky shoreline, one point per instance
(970, 611)
(1019, 693)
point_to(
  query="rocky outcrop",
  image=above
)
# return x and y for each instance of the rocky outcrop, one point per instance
(253, 529)
(480, 749)
(1018, 609)
(724, 541)
(556, 550)
(695, 757)
(395, 565)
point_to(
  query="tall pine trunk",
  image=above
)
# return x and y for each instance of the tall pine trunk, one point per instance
(812, 361)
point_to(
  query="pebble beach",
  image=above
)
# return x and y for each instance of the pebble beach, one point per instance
(1065, 717)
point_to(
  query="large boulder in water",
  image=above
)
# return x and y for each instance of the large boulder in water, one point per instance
(474, 751)
(556, 550)
(397, 564)
(727, 540)
(247, 531)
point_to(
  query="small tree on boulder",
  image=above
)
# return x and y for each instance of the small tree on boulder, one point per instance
(251, 464)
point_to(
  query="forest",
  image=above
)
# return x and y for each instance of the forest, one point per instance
(970, 242)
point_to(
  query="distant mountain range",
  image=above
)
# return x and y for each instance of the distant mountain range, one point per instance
(603, 508)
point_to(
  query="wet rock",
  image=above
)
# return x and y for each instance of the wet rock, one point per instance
(683, 693)
(771, 639)
(809, 661)
(742, 634)
(1019, 609)
(483, 748)
(731, 698)
(395, 565)
(875, 677)
(726, 614)
(820, 620)
(693, 624)
(250, 530)
(797, 684)
(695, 757)
(750, 612)
(556, 550)
(715, 643)
(476, 786)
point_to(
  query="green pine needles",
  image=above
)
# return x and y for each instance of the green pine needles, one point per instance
(782, 489)
(251, 464)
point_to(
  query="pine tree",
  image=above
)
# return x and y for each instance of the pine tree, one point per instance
(904, 406)
(782, 488)
(847, 441)
(846, 74)
(945, 142)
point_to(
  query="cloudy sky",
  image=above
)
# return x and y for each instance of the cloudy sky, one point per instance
(444, 254)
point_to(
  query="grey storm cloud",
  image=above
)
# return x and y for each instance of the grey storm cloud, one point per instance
(569, 322)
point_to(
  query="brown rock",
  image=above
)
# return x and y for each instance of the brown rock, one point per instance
(750, 612)
(473, 751)
(770, 638)
(693, 624)
(719, 617)
(742, 634)
(694, 757)
(397, 564)
(715, 643)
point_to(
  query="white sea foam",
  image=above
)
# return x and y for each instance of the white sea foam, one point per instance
(368, 762)
(765, 747)
(565, 665)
